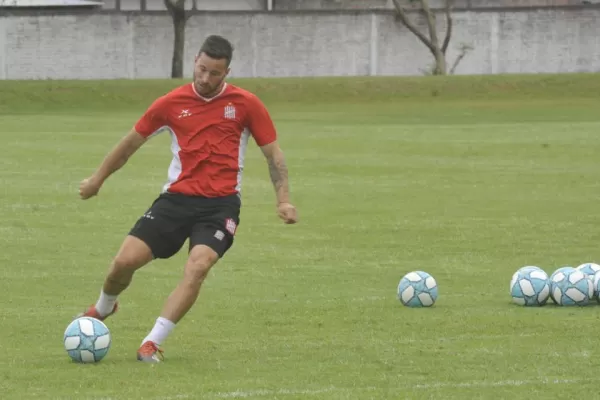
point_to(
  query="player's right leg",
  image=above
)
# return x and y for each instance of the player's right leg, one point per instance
(159, 233)
(133, 254)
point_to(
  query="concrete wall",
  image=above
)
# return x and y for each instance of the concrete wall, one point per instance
(238, 5)
(257, 5)
(388, 4)
(117, 45)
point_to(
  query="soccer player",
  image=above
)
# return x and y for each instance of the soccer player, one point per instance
(210, 122)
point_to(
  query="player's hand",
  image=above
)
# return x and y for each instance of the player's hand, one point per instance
(88, 188)
(287, 212)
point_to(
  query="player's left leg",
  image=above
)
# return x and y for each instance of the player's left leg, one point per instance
(210, 238)
(200, 261)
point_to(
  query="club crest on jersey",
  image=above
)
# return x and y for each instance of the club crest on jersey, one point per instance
(230, 225)
(229, 111)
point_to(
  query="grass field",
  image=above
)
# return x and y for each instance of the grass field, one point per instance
(466, 178)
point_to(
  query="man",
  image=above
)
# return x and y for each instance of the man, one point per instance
(210, 122)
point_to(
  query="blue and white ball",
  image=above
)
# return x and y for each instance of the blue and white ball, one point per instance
(87, 340)
(417, 289)
(559, 271)
(530, 286)
(589, 269)
(596, 285)
(571, 287)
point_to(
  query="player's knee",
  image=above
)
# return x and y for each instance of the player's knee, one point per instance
(133, 254)
(126, 263)
(199, 263)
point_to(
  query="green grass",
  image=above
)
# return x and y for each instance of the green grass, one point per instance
(490, 174)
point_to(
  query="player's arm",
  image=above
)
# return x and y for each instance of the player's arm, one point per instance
(278, 171)
(279, 176)
(152, 122)
(119, 155)
(113, 161)
(264, 133)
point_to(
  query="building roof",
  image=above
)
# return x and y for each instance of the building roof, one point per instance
(49, 3)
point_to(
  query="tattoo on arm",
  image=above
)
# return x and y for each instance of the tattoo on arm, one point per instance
(279, 176)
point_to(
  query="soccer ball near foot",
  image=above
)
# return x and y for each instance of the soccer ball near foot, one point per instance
(87, 340)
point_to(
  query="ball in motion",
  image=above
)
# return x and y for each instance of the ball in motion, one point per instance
(417, 289)
(571, 287)
(87, 340)
(530, 286)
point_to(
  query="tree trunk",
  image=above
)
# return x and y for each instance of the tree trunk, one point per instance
(440, 63)
(178, 47)
(432, 42)
(177, 10)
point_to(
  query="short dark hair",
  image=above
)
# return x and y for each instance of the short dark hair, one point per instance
(217, 47)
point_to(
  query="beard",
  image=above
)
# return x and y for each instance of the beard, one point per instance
(206, 89)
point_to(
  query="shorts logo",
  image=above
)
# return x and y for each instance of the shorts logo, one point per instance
(230, 225)
(219, 235)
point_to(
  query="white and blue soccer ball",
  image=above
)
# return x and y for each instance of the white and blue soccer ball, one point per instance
(87, 340)
(530, 286)
(596, 285)
(417, 289)
(571, 287)
(559, 271)
(589, 269)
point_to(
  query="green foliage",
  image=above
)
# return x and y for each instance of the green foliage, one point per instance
(74, 97)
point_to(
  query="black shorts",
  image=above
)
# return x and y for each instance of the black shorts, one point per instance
(173, 218)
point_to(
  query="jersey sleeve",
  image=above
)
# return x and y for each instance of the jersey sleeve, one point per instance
(153, 119)
(260, 124)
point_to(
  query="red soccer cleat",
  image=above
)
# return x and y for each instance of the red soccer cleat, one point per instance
(149, 352)
(93, 313)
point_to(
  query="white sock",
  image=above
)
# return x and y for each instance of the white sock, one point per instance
(105, 303)
(161, 330)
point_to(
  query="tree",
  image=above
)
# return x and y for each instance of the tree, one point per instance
(180, 16)
(432, 42)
